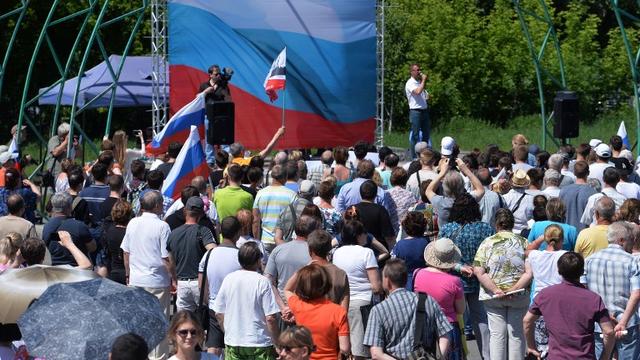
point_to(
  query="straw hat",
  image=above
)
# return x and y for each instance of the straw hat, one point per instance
(520, 179)
(442, 254)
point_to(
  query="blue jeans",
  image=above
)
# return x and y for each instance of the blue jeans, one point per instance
(628, 346)
(419, 122)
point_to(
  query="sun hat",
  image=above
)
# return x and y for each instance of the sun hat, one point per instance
(603, 150)
(520, 179)
(446, 145)
(442, 254)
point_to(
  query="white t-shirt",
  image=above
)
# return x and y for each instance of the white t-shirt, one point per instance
(596, 170)
(146, 242)
(355, 260)
(629, 189)
(544, 265)
(203, 356)
(245, 239)
(588, 216)
(129, 156)
(222, 262)
(413, 184)
(246, 299)
(415, 101)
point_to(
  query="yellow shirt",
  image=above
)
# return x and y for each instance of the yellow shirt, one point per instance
(591, 240)
(242, 160)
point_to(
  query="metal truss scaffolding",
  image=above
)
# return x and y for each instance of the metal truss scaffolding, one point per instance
(531, 17)
(622, 15)
(379, 135)
(159, 73)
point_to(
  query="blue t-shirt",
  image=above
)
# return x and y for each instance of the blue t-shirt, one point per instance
(568, 241)
(30, 202)
(95, 195)
(412, 252)
(79, 234)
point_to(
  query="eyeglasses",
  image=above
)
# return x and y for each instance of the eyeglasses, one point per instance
(286, 349)
(185, 332)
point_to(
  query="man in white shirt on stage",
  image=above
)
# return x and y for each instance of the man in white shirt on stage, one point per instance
(417, 97)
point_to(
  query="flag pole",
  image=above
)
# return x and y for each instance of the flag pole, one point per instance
(284, 96)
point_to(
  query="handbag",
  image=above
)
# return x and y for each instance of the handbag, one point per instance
(202, 311)
(422, 351)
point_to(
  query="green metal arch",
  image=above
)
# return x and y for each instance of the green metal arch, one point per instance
(538, 54)
(633, 56)
(20, 11)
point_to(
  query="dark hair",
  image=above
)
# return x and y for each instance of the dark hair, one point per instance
(129, 346)
(313, 282)
(368, 190)
(340, 155)
(254, 174)
(539, 213)
(15, 203)
(542, 158)
(471, 161)
(391, 160)
(326, 190)
(292, 170)
(383, 152)
(611, 176)
(505, 162)
(106, 158)
(155, 178)
(616, 142)
(116, 183)
(305, 225)
(99, 171)
(188, 192)
(581, 169)
(350, 232)
(174, 149)
(235, 173)
(360, 149)
(249, 255)
(414, 224)
(75, 179)
(504, 219)
(230, 227)
(222, 159)
(540, 200)
(121, 213)
(365, 169)
(138, 169)
(571, 266)
(297, 337)
(583, 150)
(396, 271)
(465, 209)
(399, 177)
(312, 210)
(33, 251)
(256, 161)
(536, 175)
(319, 242)
(423, 190)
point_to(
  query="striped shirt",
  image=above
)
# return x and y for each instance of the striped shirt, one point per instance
(270, 201)
(613, 274)
(391, 324)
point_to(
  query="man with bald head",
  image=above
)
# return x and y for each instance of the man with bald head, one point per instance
(319, 172)
(594, 238)
(14, 222)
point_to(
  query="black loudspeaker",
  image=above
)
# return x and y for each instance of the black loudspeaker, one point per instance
(566, 115)
(221, 117)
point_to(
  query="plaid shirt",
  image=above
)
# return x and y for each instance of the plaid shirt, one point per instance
(403, 200)
(391, 324)
(613, 274)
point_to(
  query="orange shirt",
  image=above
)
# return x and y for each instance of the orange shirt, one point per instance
(242, 160)
(2, 171)
(325, 320)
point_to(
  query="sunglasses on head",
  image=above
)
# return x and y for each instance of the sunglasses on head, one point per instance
(185, 332)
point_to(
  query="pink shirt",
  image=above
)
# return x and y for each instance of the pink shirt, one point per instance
(444, 288)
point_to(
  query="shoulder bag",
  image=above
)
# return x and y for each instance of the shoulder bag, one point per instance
(202, 311)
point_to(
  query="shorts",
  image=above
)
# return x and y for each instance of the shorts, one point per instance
(246, 353)
(215, 336)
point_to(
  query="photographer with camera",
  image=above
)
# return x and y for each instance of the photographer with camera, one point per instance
(219, 82)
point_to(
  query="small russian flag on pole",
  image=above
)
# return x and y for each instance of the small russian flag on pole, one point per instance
(277, 77)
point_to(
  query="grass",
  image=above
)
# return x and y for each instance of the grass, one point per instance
(472, 133)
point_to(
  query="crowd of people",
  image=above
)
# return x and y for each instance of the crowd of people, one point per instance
(527, 252)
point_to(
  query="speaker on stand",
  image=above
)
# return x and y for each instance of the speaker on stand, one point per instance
(221, 116)
(566, 114)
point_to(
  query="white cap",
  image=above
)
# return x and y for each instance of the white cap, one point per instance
(446, 145)
(4, 157)
(594, 142)
(3, 148)
(603, 150)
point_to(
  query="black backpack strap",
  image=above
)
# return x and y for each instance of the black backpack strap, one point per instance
(518, 203)
(420, 319)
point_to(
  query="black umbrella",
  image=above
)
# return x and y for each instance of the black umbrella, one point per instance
(81, 320)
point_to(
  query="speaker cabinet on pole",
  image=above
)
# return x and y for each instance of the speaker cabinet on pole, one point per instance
(566, 115)
(221, 117)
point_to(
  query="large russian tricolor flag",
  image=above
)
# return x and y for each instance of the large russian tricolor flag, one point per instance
(331, 65)
(191, 162)
(178, 127)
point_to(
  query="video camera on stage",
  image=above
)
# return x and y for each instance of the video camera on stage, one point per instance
(224, 77)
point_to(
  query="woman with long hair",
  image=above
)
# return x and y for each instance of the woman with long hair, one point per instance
(185, 334)
(312, 308)
(341, 172)
(121, 213)
(295, 343)
(123, 155)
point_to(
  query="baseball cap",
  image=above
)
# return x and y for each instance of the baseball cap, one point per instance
(603, 150)
(446, 145)
(594, 142)
(307, 187)
(194, 203)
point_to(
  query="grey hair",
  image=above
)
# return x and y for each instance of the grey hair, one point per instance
(619, 230)
(151, 200)
(605, 207)
(453, 184)
(278, 173)
(199, 183)
(281, 158)
(61, 202)
(555, 162)
(236, 149)
(63, 129)
(552, 177)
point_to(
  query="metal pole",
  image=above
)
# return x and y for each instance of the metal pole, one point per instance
(284, 96)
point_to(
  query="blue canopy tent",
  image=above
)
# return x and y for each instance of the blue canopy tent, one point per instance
(134, 85)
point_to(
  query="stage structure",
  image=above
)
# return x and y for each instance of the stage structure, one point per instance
(531, 17)
(380, 28)
(331, 65)
(16, 15)
(91, 33)
(159, 72)
(624, 14)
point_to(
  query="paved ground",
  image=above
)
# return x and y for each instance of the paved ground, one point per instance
(473, 350)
